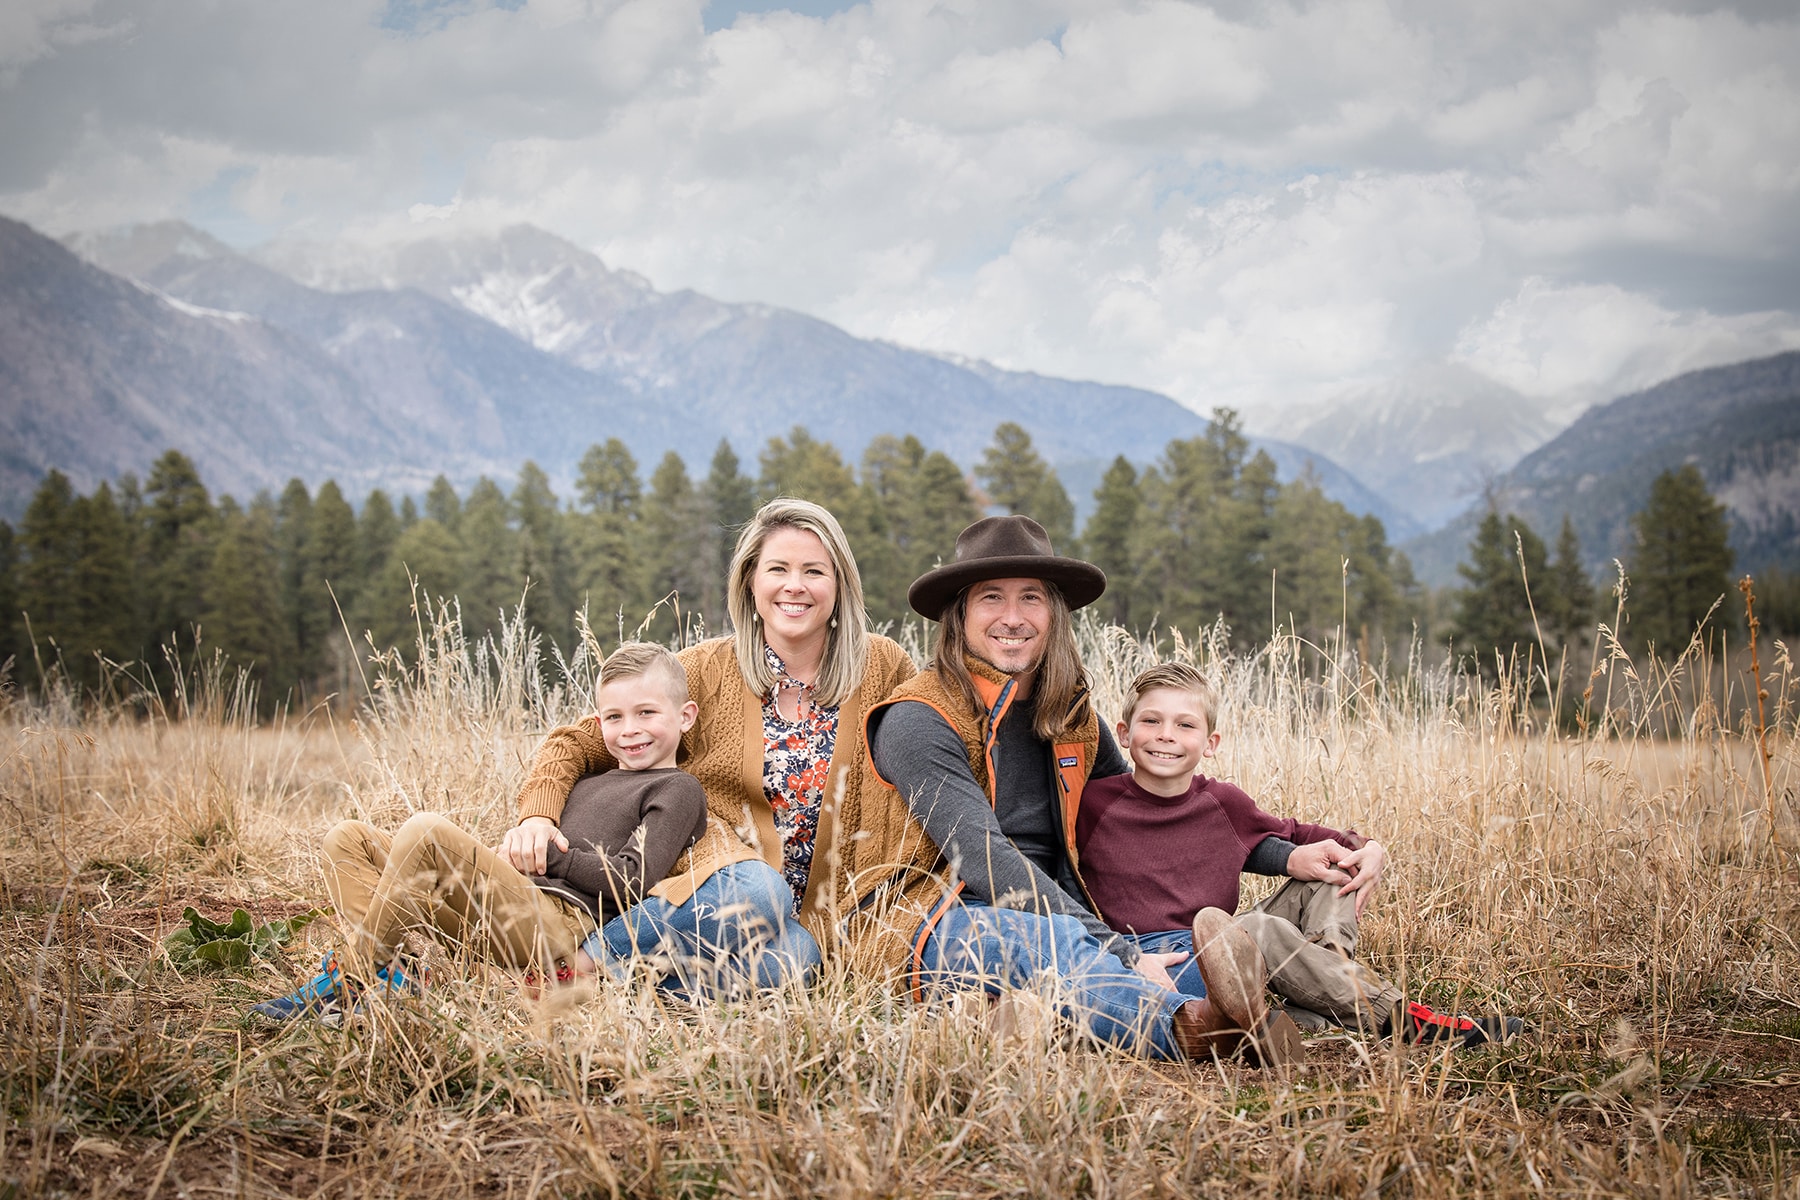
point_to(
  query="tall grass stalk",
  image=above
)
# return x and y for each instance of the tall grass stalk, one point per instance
(1617, 883)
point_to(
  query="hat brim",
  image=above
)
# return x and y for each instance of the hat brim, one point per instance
(1081, 583)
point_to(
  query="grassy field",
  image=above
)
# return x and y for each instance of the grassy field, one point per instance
(1619, 886)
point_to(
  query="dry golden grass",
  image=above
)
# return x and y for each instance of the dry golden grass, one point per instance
(1621, 890)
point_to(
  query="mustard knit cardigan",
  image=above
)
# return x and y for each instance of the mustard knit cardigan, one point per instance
(724, 750)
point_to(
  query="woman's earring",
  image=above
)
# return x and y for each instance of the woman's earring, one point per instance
(834, 622)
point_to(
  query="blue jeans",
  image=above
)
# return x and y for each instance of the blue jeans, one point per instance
(1186, 975)
(976, 946)
(736, 933)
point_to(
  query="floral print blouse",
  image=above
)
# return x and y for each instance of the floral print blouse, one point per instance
(796, 758)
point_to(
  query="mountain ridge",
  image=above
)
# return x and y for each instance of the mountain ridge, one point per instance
(1739, 423)
(701, 369)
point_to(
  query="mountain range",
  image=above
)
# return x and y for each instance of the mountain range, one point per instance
(1740, 424)
(1428, 441)
(470, 355)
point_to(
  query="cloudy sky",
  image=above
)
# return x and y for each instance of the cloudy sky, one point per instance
(1238, 202)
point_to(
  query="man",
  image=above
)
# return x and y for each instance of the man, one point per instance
(970, 880)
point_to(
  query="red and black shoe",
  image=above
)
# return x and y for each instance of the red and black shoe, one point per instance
(534, 982)
(1421, 1025)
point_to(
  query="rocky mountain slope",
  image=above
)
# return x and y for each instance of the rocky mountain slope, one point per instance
(477, 353)
(98, 375)
(1740, 424)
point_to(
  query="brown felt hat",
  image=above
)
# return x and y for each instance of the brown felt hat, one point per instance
(1014, 547)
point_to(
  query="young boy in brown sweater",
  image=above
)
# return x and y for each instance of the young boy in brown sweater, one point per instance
(620, 833)
(1163, 843)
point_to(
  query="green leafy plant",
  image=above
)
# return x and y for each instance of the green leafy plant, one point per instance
(234, 943)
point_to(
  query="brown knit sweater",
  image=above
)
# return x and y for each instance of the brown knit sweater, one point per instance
(724, 750)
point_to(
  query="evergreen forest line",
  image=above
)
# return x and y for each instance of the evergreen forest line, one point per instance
(132, 572)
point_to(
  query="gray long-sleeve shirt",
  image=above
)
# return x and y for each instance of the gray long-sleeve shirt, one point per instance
(1009, 854)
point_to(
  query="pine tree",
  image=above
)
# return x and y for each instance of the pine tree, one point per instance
(103, 583)
(334, 586)
(604, 536)
(243, 614)
(177, 550)
(729, 496)
(442, 505)
(1019, 481)
(674, 546)
(806, 468)
(1246, 528)
(892, 496)
(295, 585)
(1494, 611)
(1108, 538)
(75, 580)
(377, 529)
(336, 554)
(1207, 520)
(544, 555)
(1571, 599)
(48, 547)
(941, 507)
(409, 513)
(12, 630)
(426, 554)
(490, 583)
(1680, 559)
(1308, 549)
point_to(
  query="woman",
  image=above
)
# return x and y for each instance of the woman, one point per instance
(778, 745)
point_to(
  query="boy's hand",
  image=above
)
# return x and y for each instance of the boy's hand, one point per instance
(526, 845)
(1155, 967)
(1366, 867)
(1319, 861)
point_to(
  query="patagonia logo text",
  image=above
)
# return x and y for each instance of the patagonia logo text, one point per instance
(1067, 762)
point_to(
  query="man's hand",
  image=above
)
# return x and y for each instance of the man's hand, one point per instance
(526, 845)
(1155, 967)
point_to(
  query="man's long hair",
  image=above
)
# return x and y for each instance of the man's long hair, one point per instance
(1062, 686)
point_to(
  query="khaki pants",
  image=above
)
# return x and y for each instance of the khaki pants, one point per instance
(1307, 935)
(432, 877)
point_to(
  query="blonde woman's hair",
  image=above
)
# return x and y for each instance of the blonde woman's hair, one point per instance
(633, 659)
(846, 640)
(1181, 678)
(1062, 684)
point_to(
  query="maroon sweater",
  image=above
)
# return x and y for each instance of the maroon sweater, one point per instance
(1152, 862)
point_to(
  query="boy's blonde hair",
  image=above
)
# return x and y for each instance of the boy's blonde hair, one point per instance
(632, 659)
(1182, 678)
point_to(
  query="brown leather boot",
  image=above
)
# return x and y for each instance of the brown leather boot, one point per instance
(1202, 1031)
(1236, 978)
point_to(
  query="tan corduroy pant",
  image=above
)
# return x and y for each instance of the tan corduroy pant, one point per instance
(1307, 935)
(432, 877)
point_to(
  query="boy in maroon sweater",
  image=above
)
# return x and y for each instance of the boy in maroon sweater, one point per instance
(1161, 844)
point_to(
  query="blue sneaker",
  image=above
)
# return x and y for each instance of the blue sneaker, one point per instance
(327, 997)
(321, 997)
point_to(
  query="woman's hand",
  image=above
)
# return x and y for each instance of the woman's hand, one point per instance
(526, 845)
